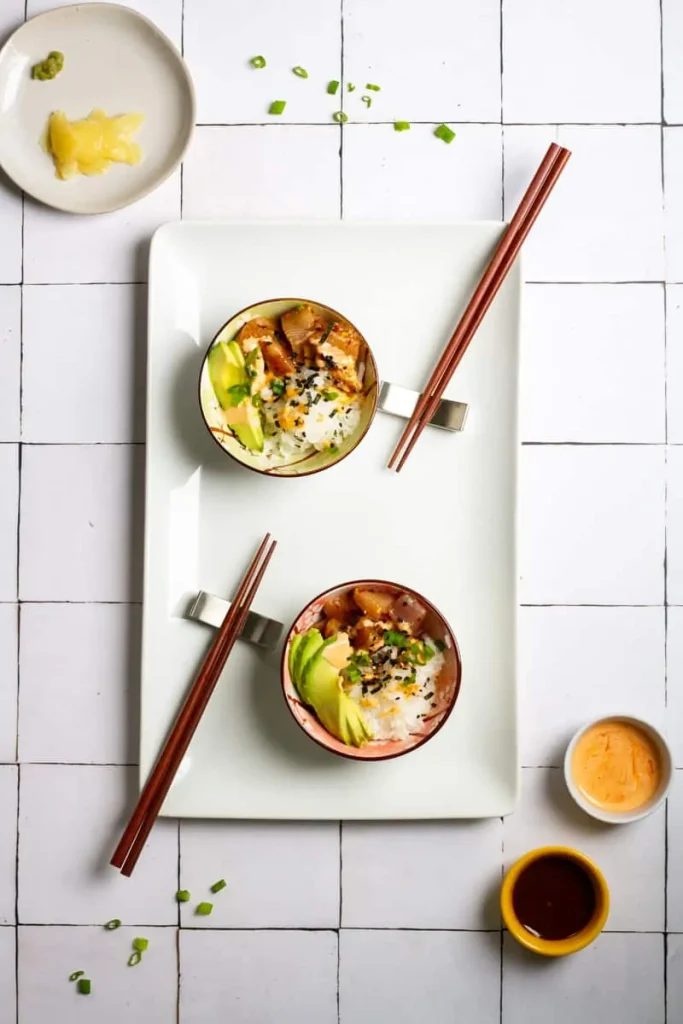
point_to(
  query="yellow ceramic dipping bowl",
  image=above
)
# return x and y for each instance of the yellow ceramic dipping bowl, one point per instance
(555, 947)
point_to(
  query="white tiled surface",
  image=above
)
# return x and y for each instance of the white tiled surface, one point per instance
(330, 925)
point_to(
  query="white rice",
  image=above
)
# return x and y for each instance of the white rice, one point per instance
(397, 710)
(326, 423)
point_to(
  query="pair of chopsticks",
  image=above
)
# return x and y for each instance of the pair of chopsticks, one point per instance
(532, 203)
(164, 771)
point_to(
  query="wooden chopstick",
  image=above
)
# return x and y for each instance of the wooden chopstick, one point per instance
(160, 779)
(521, 223)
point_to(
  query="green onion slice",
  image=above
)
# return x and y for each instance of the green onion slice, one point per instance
(113, 924)
(140, 944)
(367, 100)
(445, 133)
(134, 958)
(277, 107)
(401, 126)
(340, 117)
(350, 86)
(258, 62)
(183, 896)
(84, 986)
(76, 975)
(204, 909)
(332, 87)
(373, 88)
(300, 72)
(217, 886)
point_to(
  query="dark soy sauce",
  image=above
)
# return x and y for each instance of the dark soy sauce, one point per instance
(554, 898)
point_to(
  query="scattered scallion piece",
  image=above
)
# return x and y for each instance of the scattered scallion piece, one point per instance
(76, 975)
(367, 100)
(300, 72)
(217, 886)
(277, 386)
(332, 87)
(113, 924)
(134, 958)
(373, 88)
(204, 909)
(140, 944)
(330, 396)
(183, 896)
(277, 107)
(258, 62)
(445, 133)
(440, 645)
(350, 87)
(340, 117)
(84, 986)
(401, 126)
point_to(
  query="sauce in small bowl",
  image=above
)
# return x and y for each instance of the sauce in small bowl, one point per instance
(618, 769)
(554, 901)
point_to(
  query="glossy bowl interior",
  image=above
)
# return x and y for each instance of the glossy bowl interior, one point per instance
(312, 463)
(446, 690)
(555, 947)
(621, 817)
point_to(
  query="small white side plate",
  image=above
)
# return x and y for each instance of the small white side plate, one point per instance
(114, 59)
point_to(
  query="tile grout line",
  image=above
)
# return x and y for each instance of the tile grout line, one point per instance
(182, 52)
(666, 500)
(502, 923)
(502, 126)
(502, 217)
(16, 898)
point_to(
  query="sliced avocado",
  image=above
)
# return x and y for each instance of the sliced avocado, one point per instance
(294, 646)
(340, 715)
(245, 423)
(226, 369)
(312, 640)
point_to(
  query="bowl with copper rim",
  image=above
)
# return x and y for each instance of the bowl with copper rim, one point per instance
(446, 689)
(299, 465)
(572, 943)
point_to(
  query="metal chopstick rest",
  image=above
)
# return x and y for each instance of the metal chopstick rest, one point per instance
(399, 401)
(258, 630)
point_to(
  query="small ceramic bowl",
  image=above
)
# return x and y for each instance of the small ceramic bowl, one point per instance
(555, 947)
(300, 466)
(612, 817)
(446, 689)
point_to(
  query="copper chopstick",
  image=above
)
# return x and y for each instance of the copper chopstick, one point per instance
(524, 217)
(166, 766)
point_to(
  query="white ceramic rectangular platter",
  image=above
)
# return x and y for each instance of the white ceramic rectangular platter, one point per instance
(445, 526)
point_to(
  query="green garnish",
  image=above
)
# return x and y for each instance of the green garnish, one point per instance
(76, 975)
(84, 986)
(350, 86)
(114, 923)
(204, 909)
(429, 652)
(401, 126)
(367, 100)
(140, 944)
(373, 88)
(440, 645)
(300, 72)
(257, 401)
(134, 958)
(183, 896)
(392, 638)
(353, 674)
(238, 392)
(258, 62)
(360, 658)
(277, 107)
(340, 117)
(217, 886)
(445, 133)
(49, 68)
(277, 386)
(330, 396)
(332, 87)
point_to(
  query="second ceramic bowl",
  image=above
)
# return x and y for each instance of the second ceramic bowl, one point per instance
(446, 686)
(312, 461)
